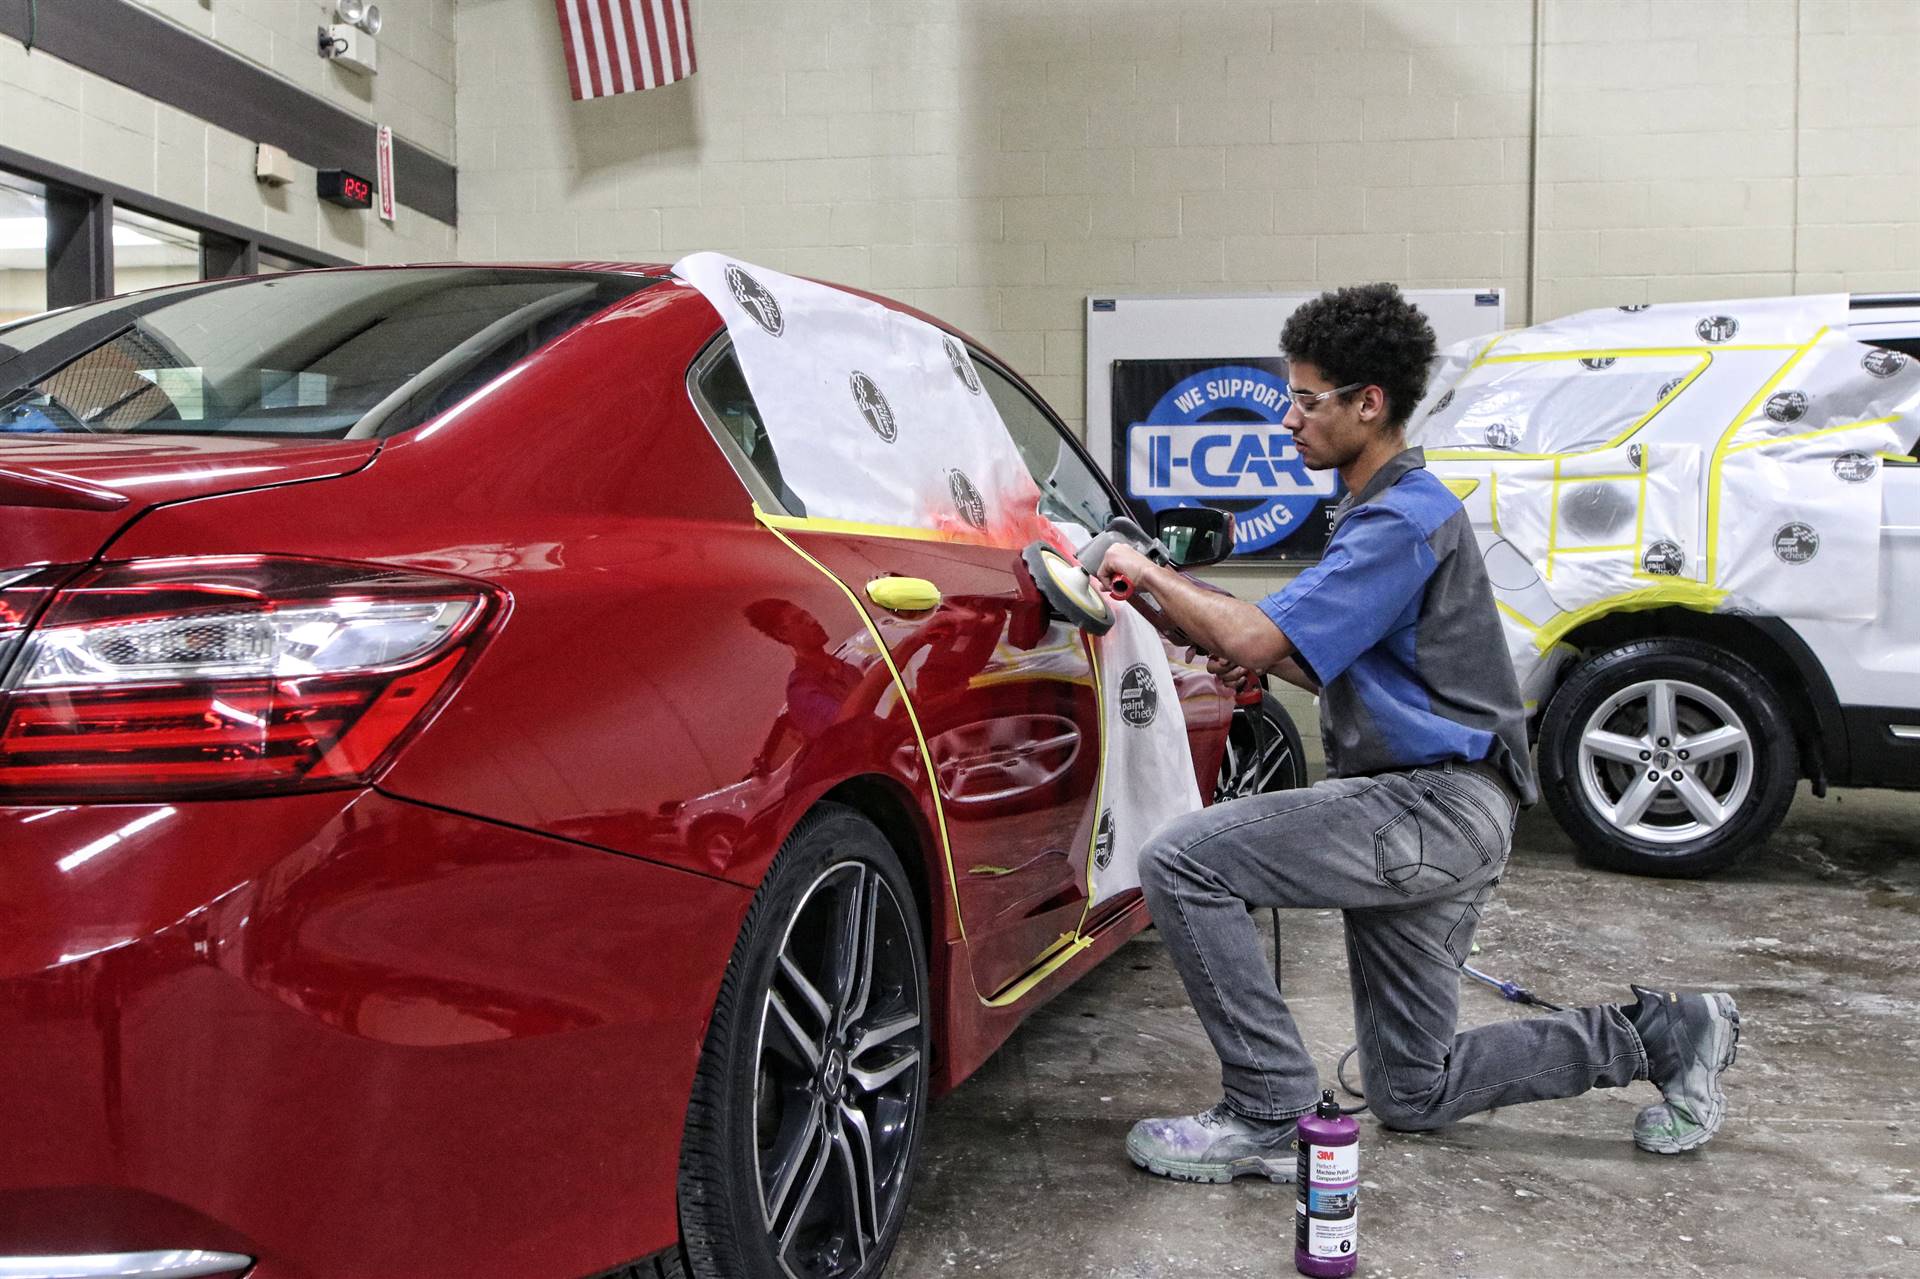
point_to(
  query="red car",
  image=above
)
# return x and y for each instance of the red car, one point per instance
(458, 819)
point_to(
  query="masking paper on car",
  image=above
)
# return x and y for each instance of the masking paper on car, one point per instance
(876, 417)
(1722, 455)
(1149, 776)
(880, 419)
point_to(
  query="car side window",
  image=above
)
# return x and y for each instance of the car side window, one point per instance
(724, 388)
(1070, 491)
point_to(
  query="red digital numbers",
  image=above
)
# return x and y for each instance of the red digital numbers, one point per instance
(337, 186)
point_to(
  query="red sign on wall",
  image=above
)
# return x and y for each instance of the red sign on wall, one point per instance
(383, 171)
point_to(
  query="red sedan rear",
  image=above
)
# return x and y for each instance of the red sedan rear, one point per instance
(457, 819)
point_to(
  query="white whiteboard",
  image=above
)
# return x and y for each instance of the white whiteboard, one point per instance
(1232, 325)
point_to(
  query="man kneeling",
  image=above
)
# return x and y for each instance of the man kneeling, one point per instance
(1427, 770)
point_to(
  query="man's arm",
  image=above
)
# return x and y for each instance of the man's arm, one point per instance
(1221, 624)
(1240, 678)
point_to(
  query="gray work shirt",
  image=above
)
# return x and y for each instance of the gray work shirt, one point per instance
(1397, 623)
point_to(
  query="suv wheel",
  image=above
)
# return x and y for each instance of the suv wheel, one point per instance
(1667, 757)
(807, 1108)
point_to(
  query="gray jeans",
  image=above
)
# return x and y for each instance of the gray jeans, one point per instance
(1411, 858)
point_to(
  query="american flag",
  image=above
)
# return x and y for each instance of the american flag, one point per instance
(620, 46)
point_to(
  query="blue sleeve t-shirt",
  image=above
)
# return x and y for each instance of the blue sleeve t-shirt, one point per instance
(1397, 623)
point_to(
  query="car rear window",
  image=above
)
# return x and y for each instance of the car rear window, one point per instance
(325, 355)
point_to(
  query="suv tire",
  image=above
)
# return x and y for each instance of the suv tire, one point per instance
(1681, 797)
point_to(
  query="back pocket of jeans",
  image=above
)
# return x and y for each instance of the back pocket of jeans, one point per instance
(1408, 852)
(1459, 813)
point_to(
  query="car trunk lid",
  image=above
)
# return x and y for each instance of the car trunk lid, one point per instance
(63, 498)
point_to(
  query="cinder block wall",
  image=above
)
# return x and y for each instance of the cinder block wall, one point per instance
(58, 112)
(996, 160)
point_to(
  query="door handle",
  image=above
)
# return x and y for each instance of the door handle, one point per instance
(904, 594)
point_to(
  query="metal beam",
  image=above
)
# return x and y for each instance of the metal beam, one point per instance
(79, 247)
(221, 257)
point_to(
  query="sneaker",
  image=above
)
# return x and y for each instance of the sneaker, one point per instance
(1691, 1040)
(1214, 1145)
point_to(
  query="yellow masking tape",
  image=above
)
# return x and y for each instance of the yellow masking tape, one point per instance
(1520, 619)
(1501, 455)
(1063, 952)
(1099, 786)
(1553, 518)
(1693, 595)
(900, 685)
(1462, 489)
(850, 528)
(1811, 435)
(1633, 352)
(1640, 516)
(1715, 462)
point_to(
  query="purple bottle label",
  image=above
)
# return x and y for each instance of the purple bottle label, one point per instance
(1327, 1214)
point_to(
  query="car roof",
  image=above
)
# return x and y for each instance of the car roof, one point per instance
(1881, 317)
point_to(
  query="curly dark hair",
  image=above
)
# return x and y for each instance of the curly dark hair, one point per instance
(1366, 333)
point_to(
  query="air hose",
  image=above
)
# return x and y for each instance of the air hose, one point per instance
(1512, 992)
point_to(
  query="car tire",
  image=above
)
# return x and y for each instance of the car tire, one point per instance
(1636, 799)
(1263, 752)
(809, 1101)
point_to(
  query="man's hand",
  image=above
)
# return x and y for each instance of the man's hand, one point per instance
(1232, 674)
(1122, 560)
(1211, 620)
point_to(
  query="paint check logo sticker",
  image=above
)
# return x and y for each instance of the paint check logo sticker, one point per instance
(873, 406)
(756, 300)
(967, 499)
(1139, 699)
(1103, 841)
(962, 366)
(1717, 328)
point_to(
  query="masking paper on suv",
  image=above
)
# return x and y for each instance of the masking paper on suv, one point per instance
(1716, 456)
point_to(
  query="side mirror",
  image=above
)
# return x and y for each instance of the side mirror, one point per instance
(1195, 535)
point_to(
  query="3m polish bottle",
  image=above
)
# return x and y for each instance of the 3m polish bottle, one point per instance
(1326, 1240)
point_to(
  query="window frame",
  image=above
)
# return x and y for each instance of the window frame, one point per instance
(80, 209)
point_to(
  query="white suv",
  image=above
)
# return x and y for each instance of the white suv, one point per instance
(1703, 606)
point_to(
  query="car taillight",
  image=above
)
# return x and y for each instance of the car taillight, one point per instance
(22, 593)
(246, 675)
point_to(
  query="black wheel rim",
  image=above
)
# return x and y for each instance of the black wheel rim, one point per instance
(838, 1075)
(1258, 758)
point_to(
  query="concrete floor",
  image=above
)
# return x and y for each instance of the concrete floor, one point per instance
(1816, 1173)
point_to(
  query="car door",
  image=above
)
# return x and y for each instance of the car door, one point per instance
(1073, 493)
(1875, 665)
(1001, 693)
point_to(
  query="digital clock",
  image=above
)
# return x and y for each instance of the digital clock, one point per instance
(349, 190)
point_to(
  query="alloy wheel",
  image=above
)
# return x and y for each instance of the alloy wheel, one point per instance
(1665, 761)
(1259, 757)
(839, 1073)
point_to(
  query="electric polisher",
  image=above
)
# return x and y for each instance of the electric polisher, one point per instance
(1068, 585)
